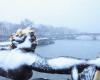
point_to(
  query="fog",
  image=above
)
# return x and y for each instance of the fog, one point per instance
(83, 15)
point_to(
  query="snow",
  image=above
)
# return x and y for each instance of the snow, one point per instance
(4, 43)
(64, 62)
(12, 59)
(15, 58)
(26, 44)
(74, 73)
(95, 62)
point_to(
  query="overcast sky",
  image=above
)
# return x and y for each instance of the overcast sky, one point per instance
(83, 15)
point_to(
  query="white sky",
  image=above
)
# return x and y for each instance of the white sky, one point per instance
(78, 14)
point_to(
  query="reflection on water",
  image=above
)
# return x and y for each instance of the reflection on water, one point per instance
(75, 48)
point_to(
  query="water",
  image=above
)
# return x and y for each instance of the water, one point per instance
(75, 48)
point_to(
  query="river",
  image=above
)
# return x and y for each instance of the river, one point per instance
(74, 48)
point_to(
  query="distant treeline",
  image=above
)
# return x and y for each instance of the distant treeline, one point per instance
(7, 28)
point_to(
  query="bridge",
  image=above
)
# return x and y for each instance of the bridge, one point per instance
(93, 36)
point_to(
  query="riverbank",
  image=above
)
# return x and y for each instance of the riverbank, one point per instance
(44, 41)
